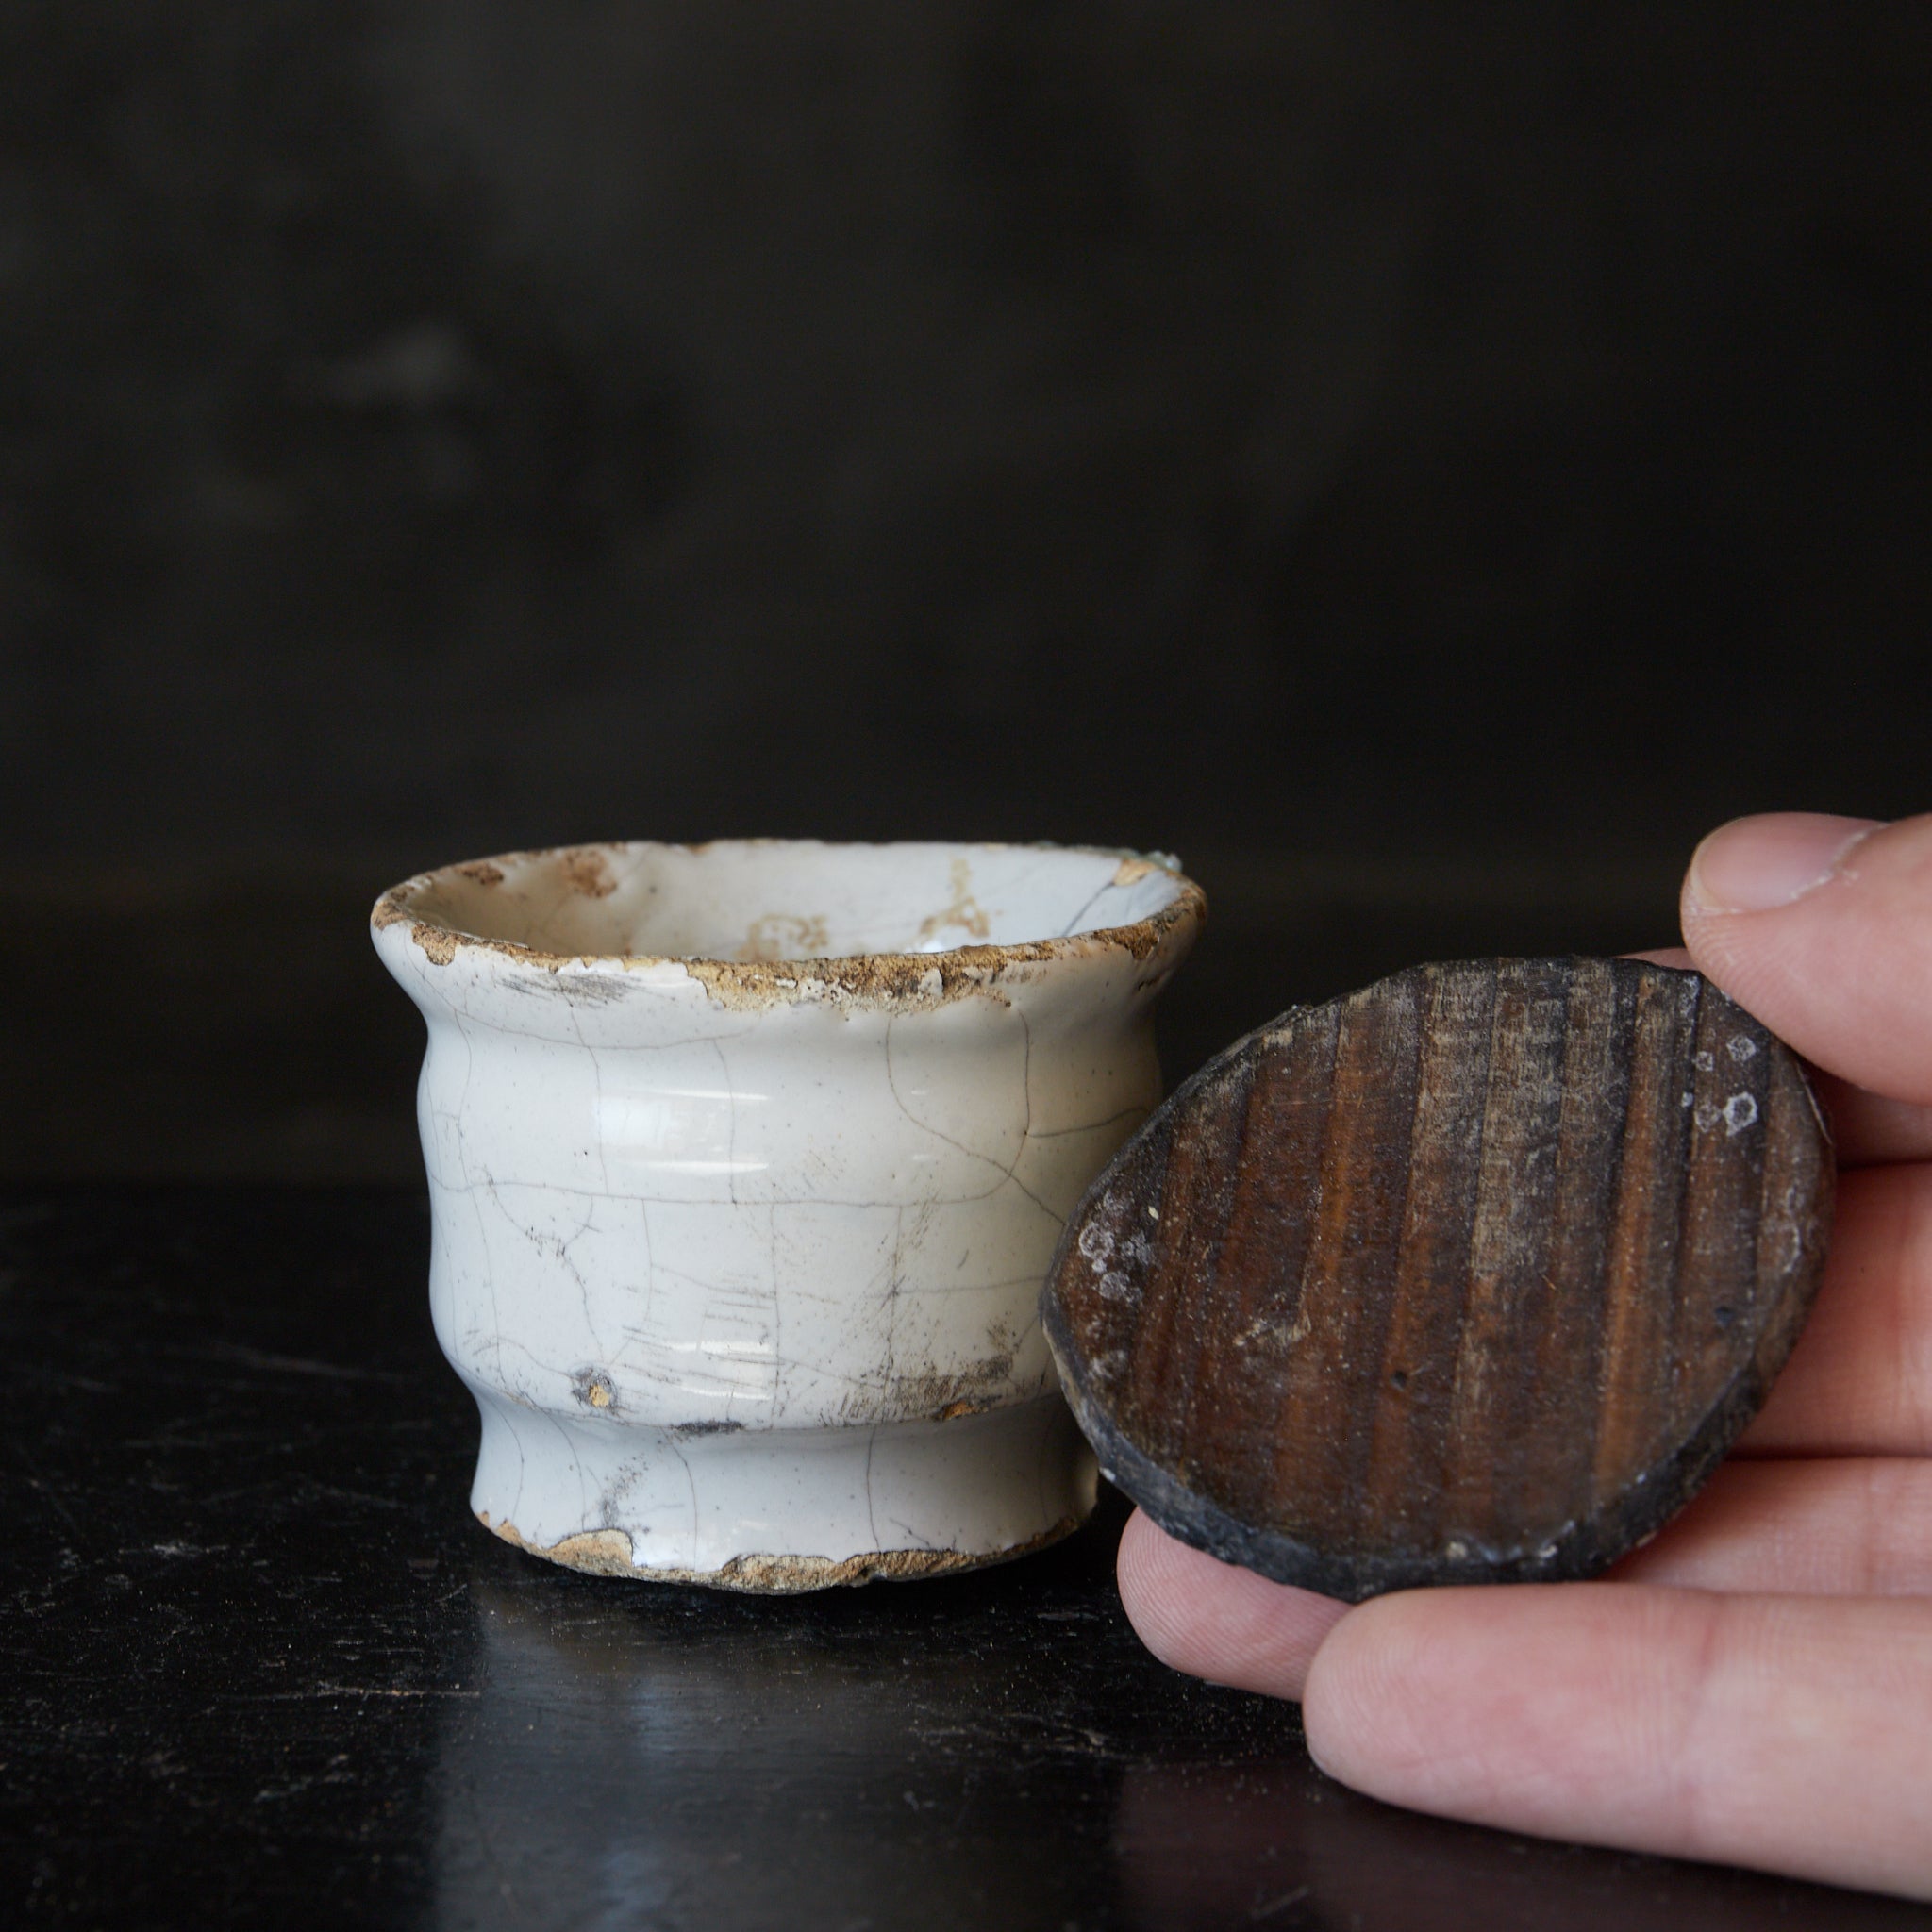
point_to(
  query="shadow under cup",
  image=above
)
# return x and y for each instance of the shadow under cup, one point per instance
(746, 1163)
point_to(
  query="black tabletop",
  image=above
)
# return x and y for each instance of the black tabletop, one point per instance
(260, 1666)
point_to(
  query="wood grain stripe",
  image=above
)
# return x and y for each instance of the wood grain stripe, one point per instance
(1403, 1484)
(1344, 1306)
(1516, 1183)
(1254, 1321)
(1642, 1264)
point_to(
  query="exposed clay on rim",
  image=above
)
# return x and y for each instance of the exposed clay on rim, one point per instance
(607, 1553)
(894, 979)
(438, 941)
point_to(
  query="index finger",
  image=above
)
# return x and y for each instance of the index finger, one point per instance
(1821, 928)
(1867, 1130)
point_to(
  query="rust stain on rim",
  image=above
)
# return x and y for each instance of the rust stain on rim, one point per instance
(897, 979)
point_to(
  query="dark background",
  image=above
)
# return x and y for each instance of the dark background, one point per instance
(1426, 464)
(1423, 465)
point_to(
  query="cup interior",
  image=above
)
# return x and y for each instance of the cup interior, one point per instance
(776, 899)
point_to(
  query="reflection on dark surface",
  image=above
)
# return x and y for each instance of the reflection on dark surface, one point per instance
(261, 1668)
(993, 1750)
(934, 1755)
(1203, 1847)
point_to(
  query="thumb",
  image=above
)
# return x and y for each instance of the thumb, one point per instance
(1822, 929)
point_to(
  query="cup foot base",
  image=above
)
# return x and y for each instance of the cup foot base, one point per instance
(608, 1553)
(781, 1511)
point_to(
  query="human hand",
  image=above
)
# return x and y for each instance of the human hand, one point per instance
(1755, 1685)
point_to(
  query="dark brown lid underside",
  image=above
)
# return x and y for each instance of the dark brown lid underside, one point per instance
(1471, 1276)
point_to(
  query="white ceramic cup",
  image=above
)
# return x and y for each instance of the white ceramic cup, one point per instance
(746, 1163)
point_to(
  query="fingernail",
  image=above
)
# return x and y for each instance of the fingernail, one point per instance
(1752, 865)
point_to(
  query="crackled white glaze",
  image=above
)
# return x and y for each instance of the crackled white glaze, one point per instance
(740, 1258)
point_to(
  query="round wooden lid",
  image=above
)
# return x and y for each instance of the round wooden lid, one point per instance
(1471, 1276)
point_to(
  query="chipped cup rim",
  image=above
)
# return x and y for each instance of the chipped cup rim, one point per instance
(885, 977)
